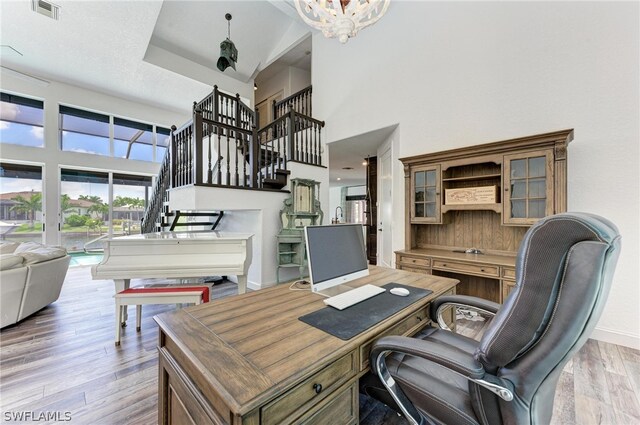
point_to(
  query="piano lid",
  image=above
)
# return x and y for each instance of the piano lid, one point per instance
(198, 236)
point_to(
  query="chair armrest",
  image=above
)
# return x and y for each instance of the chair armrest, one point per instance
(472, 303)
(456, 360)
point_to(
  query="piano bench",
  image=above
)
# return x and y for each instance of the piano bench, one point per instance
(155, 295)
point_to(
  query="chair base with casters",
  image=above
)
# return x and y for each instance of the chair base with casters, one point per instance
(159, 295)
(564, 271)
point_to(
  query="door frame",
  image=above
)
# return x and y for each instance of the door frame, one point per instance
(383, 152)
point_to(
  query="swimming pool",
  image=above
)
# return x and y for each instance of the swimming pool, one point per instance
(84, 258)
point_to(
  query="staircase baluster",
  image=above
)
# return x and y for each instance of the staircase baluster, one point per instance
(320, 143)
(244, 160)
(272, 159)
(209, 167)
(315, 143)
(228, 160)
(237, 175)
(279, 153)
(303, 129)
(219, 156)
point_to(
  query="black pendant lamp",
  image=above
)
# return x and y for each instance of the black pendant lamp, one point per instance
(228, 51)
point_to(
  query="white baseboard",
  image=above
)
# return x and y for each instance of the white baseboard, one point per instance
(617, 337)
(254, 286)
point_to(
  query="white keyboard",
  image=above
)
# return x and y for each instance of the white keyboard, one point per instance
(354, 296)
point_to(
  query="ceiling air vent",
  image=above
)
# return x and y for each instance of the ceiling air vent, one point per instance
(46, 8)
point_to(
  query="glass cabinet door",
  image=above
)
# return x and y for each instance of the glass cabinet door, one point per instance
(425, 194)
(528, 187)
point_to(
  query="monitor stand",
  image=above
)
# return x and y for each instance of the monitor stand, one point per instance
(335, 290)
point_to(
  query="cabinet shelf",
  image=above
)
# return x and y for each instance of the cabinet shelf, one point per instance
(471, 178)
(497, 207)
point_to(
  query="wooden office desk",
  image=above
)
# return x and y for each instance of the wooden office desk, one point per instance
(247, 359)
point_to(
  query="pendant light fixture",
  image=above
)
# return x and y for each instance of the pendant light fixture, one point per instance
(228, 51)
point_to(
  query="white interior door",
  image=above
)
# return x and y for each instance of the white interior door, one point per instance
(385, 251)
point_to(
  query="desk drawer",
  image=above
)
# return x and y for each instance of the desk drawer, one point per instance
(509, 273)
(339, 409)
(420, 262)
(484, 270)
(414, 269)
(408, 326)
(282, 410)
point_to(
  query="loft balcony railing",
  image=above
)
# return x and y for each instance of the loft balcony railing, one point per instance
(221, 147)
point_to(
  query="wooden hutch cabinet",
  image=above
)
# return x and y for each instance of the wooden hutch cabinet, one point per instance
(484, 198)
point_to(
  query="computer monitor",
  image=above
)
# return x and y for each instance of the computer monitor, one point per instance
(336, 255)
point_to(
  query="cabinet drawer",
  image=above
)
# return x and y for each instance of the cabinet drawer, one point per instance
(409, 261)
(466, 268)
(408, 326)
(282, 410)
(509, 273)
(414, 269)
(339, 409)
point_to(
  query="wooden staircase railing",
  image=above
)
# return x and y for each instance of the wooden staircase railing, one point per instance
(151, 222)
(299, 101)
(221, 147)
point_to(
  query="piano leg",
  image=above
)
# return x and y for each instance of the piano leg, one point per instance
(121, 285)
(242, 284)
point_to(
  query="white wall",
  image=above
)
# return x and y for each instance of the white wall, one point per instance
(256, 212)
(290, 81)
(457, 74)
(52, 157)
(298, 79)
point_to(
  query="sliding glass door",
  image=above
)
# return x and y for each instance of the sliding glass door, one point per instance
(130, 197)
(21, 202)
(84, 209)
(91, 211)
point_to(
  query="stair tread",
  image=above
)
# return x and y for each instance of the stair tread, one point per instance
(199, 214)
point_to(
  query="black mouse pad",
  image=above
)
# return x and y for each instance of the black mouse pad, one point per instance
(347, 323)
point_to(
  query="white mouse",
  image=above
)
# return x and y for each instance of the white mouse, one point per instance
(400, 292)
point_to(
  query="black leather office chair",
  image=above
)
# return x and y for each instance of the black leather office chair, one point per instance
(564, 270)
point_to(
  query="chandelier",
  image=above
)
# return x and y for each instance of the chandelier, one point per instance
(341, 18)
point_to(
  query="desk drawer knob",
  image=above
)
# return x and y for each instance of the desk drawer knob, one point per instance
(481, 270)
(317, 388)
(444, 265)
(419, 318)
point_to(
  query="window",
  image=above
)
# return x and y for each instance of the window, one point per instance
(162, 143)
(130, 197)
(21, 121)
(20, 202)
(132, 140)
(88, 132)
(84, 131)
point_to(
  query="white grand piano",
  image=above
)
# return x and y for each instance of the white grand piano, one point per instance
(175, 255)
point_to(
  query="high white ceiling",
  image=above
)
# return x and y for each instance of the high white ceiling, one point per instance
(135, 49)
(164, 53)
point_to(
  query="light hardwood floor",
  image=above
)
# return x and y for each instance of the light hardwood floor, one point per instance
(63, 359)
